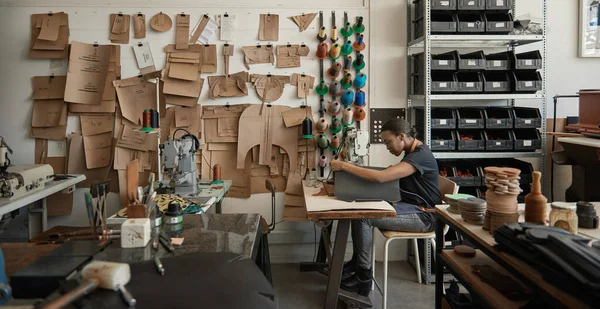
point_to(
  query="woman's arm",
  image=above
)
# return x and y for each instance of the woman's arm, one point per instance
(394, 172)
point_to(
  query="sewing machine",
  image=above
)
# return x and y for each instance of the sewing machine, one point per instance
(17, 180)
(178, 158)
(356, 146)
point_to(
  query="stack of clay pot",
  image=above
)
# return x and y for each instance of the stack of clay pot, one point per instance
(453, 201)
(503, 189)
(472, 210)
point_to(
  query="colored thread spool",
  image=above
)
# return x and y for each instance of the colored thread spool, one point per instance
(146, 121)
(334, 36)
(323, 161)
(347, 30)
(335, 89)
(359, 27)
(348, 118)
(335, 126)
(322, 125)
(173, 215)
(334, 108)
(322, 89)
(347, 63)
(360, 80)
(322, 141)
(359, 63)
(307, 128)
(360, 98)
(359, 44)
(154, 119)
(217, 174)
(347, 97)
(347, 80)
(359, 114)
(322, 50)
(334, 52)
(322, 36)
(347, 48)
(335, 143)
(334, 70)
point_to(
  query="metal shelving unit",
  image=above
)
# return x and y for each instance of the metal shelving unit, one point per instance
(428, 42)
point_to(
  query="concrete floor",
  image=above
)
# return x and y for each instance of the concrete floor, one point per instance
(296, 290)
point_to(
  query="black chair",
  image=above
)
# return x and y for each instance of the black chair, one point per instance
(263, 259)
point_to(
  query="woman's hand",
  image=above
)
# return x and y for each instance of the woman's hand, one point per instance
(336, 165)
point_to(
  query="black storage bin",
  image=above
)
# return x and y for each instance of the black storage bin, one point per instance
(470, 5)
(434, 5)
(470, 118)
(527, 117)
(469, 82)
(470, 23)
(498, 140)
(474, 61)
(445, 170)
(470, 140)
(498, 118)
(527, 139)
(443, 140)
(465, 173)
(496, 82)
(441, 118)
(441, 23)
(499, 23)
(526, 81)
(441, 82)
(498, 5)
(499, 61)
(528, 61)
(441, 62)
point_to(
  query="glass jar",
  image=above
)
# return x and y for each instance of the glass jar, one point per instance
(563, 215)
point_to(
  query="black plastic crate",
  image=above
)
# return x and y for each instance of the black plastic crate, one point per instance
(499, 61)
(469, 82)
(470, 23)
(528, 61)
(441, 118)
(443, 140)
(499, 23)
(498, 118)
(470, 118)
(445, 170)
(465, 173)
(470, 140)
(527, 81)
(434, 5)
(474, 61)
(527, 117)
(527, 139)
(441, 62)
(496, 82)
(470, 5)
(526, 168)
(498, 5)
(441, 23)
(498, 140)
(441, 82)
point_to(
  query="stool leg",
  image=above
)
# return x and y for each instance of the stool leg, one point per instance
(373, 258)
(385, 271)
(417, 260)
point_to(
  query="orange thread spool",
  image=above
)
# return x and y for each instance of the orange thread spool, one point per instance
(146, 119)
(217, 174)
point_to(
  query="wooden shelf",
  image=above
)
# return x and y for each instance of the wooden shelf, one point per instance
(461, 267)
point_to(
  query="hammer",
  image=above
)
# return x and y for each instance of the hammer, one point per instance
(98, 274)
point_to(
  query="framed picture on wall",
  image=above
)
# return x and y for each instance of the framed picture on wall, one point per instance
(589, 30)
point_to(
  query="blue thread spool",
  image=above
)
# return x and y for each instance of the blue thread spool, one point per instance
(347, 97)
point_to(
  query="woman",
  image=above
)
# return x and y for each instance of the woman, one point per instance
(417, 173)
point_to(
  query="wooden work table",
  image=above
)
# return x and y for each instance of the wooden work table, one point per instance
(324, 207)
(511, 265)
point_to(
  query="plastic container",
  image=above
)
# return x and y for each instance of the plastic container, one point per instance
(470, 5)
(441, 118)
(440, 24)
(499, 23)
(441, 82)
(469, 82)
(527, 81)
(464, 174)
(474, 61)
(528, 61)
(527, 117)
(443, 140)
(470, 140)
(434, 5)
(445, 170)
(499, 61)
(470, 23)
(496, 82)
(527, 139)
(441, 62)
(470, 118)
(498, 140)
(498, 5)
(498, 118)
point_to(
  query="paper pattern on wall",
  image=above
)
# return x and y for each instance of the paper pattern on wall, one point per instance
(303, 21)
(119, 28)
(258, 54)
(49, 87)
(269, 88)
(143, 56)
(232, 86)
(288, 56)
(54, 31)
(139, 26)
(204, 30)
(304, 83)
(268, 29)
(88, 69)
(227, 27)
(182, 28)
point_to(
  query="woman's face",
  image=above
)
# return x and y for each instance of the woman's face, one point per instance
(394, 143)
